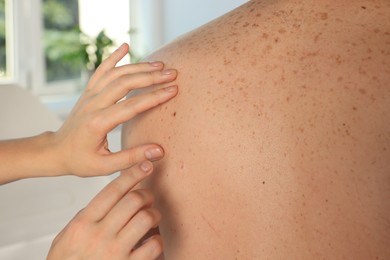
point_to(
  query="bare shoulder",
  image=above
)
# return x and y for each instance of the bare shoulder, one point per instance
(268, 52)
(274, 36)
(282, 110)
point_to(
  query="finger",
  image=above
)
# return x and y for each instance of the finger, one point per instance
(99, 206)
(108, 64)
(150, 249)
(126, 208)
(128, 69)
(119, 88)
(128, 158)
(139, 225)
(129, 108)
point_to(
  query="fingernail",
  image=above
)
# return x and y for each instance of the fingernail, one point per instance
(156, 63)
(146, 166)
(168, 72)
(154, 154)
(171, 89)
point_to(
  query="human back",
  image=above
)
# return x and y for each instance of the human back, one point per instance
(278, 144)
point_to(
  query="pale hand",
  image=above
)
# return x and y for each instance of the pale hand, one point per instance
(81, 143)
(114, 224)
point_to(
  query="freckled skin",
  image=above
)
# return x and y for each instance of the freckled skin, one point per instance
(278, 144)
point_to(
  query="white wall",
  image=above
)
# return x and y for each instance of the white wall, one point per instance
(183, 16)
(161, 21)
(146, 19)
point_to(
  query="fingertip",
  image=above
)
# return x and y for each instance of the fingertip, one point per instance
(112, 60)
(158, 244)
(124, 46)
(154, 244)
(120, 52)
(154, 153)
(146, 167)
(156, 237)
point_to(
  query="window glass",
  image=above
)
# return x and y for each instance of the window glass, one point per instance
(3, 50)
(67, 39)
(61, 40)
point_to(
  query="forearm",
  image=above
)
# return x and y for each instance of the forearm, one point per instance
(28, 157)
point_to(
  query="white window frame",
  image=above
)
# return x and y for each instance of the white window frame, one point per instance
(26, 55)
(24, 49)
(37, 77)
(146, 17)
(11, 50)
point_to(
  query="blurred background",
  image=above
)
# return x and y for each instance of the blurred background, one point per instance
(47, 46)
(48, 50)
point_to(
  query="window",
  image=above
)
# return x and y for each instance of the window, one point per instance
(61, 40)
(43, 42)
(3, 57)
(75, 34)
(5, 40)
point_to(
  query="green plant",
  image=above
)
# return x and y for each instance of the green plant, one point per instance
(68, 50)
(75, 47)
(2, 38)
(94, 49)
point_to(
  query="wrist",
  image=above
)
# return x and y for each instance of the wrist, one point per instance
(51, 155)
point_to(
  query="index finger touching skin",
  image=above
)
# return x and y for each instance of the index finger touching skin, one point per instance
(108, 64)
(101, 205)
(121, 87)
(127, 69)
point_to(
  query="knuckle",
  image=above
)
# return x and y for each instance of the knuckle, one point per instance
(156, 95)
(80, 214)
(148, 195)
(121, 82)
(86, 103)
(78, 221)
(134, 110)
(133, 157)
(114, 73)
(148, 217)
(136, 198)
(99, 70)
(156, 77)
(142, 103)
(95, 123)
(76, 227)
(150, 78)
(113, 189)
(140, 106)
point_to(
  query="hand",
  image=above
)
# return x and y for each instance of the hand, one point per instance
(81, 143)
(113, 223)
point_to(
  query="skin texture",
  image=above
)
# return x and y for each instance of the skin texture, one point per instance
(278, 143)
